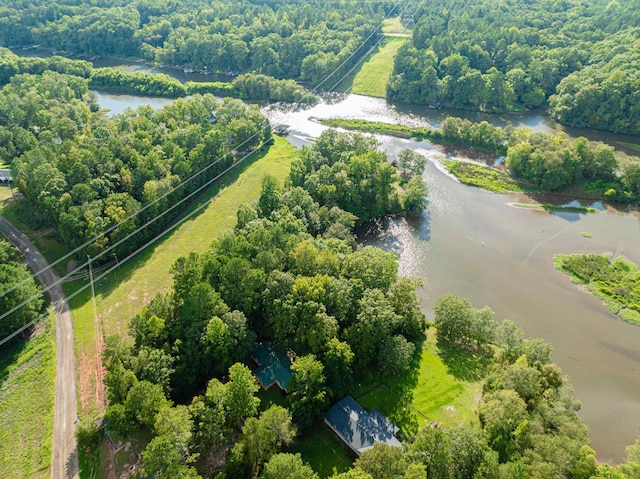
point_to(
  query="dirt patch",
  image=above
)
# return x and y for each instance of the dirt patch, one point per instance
(86, 378)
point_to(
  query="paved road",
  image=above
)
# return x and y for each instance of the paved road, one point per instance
(64, 461)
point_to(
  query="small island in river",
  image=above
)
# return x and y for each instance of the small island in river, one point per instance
(616, 282)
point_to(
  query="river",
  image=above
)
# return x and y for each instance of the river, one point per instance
(472, 243)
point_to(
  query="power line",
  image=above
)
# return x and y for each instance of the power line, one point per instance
(111, 228)
(131, 216)
(148, 205)
(131, 255)
(355, 51)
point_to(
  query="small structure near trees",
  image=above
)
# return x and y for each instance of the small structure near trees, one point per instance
(274, 367)
(360, 429)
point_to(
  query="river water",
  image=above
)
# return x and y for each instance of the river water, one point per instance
(472, 243)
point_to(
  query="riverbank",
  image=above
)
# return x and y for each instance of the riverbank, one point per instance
(556, 208)
(490, 179)
(615, 282)
(540, 162)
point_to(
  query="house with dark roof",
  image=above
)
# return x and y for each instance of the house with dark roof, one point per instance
(360, 429)
(274, 367)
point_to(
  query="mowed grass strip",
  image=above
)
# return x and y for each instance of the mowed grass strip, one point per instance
(445, 387)
(27, 388)
(373, 76)
(394, 27)
(122, 293)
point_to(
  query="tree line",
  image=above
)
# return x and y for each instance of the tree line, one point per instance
(579, 57)
(249, 86)
(85, 173)
(546, 162)
(303, 40)
(16, 277)
(290, 273)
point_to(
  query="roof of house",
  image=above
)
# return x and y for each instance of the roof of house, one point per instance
(274, 367)
(360, 429)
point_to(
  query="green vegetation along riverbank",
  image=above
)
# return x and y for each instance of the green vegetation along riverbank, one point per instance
(616, 282)
(249, 86)
(542, 162)
(558, 208)
(482, 177)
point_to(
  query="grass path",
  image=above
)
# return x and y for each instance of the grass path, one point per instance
(121, 294)
(373, 76)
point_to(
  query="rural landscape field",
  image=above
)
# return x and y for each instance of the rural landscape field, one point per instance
(363, 239)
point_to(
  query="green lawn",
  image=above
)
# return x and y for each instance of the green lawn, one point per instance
(27, 388)
(444, 388)
(323, 451)
(373, 76)
(121, 294)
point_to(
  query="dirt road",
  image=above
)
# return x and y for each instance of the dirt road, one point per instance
(64, 461)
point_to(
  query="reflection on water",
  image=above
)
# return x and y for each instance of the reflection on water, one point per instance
(478, 247)
(472, 243)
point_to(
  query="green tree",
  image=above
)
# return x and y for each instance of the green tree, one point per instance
(382, 461)
(240, 399)
(309, 394)
(415, 195)
(453, 319)
(337, 366)
(500, 414)
(410, 164)
(261, 438)
(287, 466)
(18, 279)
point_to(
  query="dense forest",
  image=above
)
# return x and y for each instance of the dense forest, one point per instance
(303, 40)
(581, 57)
(249, 86)
(87, 174)
(578, 58)
(291, 274)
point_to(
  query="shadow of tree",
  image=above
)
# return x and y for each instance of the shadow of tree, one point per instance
(9, 353)
(463, 364)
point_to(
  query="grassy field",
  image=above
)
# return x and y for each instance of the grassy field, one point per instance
(393, 27)
(483, 177)
(27, 388)
(615, 282)
(546, 207)
(373, 76)
(381, 128)
(121, 294)
(445, 388)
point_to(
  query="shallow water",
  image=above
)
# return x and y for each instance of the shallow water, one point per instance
(472, 243)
